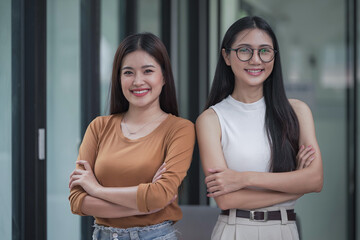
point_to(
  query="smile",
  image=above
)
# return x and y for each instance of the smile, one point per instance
(254, 72)
(139, 92)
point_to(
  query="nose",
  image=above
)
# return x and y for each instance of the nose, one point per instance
(255, 59)
(138, 80)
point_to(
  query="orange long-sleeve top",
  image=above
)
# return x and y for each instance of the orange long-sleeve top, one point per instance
(121, 162)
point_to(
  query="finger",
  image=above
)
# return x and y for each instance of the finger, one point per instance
(301, 149)
(72, 173)
(158, 175)
(211, 184)
(309, 161)
(160, 172)
(74, 178)
(85, 164)
(215, 170)
(308, 155)
(303, 159)
(210, 178)
(74, 183)
(214, 189)
(301, 164)
(76, 172)
(304, 152)
(214, 194)
(157, 178)
(162, 166)
(173, 199)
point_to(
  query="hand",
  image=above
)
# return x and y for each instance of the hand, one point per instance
(305, 156)
(84, 178)
(159, 173)
(222, 181)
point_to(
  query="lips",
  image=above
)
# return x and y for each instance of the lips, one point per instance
(254, 72)
(140, 92)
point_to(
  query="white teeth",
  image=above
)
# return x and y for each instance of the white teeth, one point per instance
(254, 71)
(139, 92)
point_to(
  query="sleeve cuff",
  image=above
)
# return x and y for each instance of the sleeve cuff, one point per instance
(141, 198)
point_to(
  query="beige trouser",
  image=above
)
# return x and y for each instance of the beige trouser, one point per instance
(234, 228)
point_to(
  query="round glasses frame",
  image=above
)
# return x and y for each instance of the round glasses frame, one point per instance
(252, 53)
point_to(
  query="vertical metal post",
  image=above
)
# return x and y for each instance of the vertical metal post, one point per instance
(29, 115)
(351, 103)
(90, 78)
(166, 24)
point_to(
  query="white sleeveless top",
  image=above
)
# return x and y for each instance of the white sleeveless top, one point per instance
(243, 136)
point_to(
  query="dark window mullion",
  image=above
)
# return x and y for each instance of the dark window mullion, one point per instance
(29, 115)
(90, 78)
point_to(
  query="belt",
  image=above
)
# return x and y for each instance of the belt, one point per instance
(262, 216)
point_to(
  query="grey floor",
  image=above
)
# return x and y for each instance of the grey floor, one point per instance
(197, 222)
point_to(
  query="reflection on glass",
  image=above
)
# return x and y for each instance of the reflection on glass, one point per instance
(63, 114)
(5, 120)
(109, 41)
(149, 16)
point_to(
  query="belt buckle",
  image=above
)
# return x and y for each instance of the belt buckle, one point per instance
(252, 216)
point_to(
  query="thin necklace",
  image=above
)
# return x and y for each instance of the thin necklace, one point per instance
(134, 132)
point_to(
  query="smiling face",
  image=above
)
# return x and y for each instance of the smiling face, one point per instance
(141, 79)
(254, 72)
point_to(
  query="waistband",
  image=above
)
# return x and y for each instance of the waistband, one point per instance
(134, 229)
(263, 215)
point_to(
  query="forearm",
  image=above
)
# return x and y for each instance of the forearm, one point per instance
(100, 208)
(253, 199)
(299, 182)
(124, 196)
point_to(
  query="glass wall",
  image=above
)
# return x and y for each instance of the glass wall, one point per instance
(5, 120)
(313, 61)
(148, 20)
(63, 114)
(109, 41)
(314, 64)
(149, 16)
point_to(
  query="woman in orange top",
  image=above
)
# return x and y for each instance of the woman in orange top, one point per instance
(132, 162)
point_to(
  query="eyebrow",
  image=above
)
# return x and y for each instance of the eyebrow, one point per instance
(249, 45)
(145, 66)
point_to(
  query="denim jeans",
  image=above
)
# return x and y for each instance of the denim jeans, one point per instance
(161, 231)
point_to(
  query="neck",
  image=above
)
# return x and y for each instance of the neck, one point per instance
(140, 115)
(247, 94)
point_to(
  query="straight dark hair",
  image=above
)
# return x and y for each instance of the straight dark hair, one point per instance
(281, 122)
(151, 44)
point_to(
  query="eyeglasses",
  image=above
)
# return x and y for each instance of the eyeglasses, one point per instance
(244, 54)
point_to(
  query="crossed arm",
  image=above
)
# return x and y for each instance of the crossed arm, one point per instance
(229, 188)
(100, 201)
(89, 197)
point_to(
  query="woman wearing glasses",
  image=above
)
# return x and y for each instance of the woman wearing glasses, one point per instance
(258, 149)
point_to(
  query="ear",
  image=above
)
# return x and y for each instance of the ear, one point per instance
(225, 56)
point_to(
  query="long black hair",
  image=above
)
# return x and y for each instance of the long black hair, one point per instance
(281, 123)
(151, 44)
